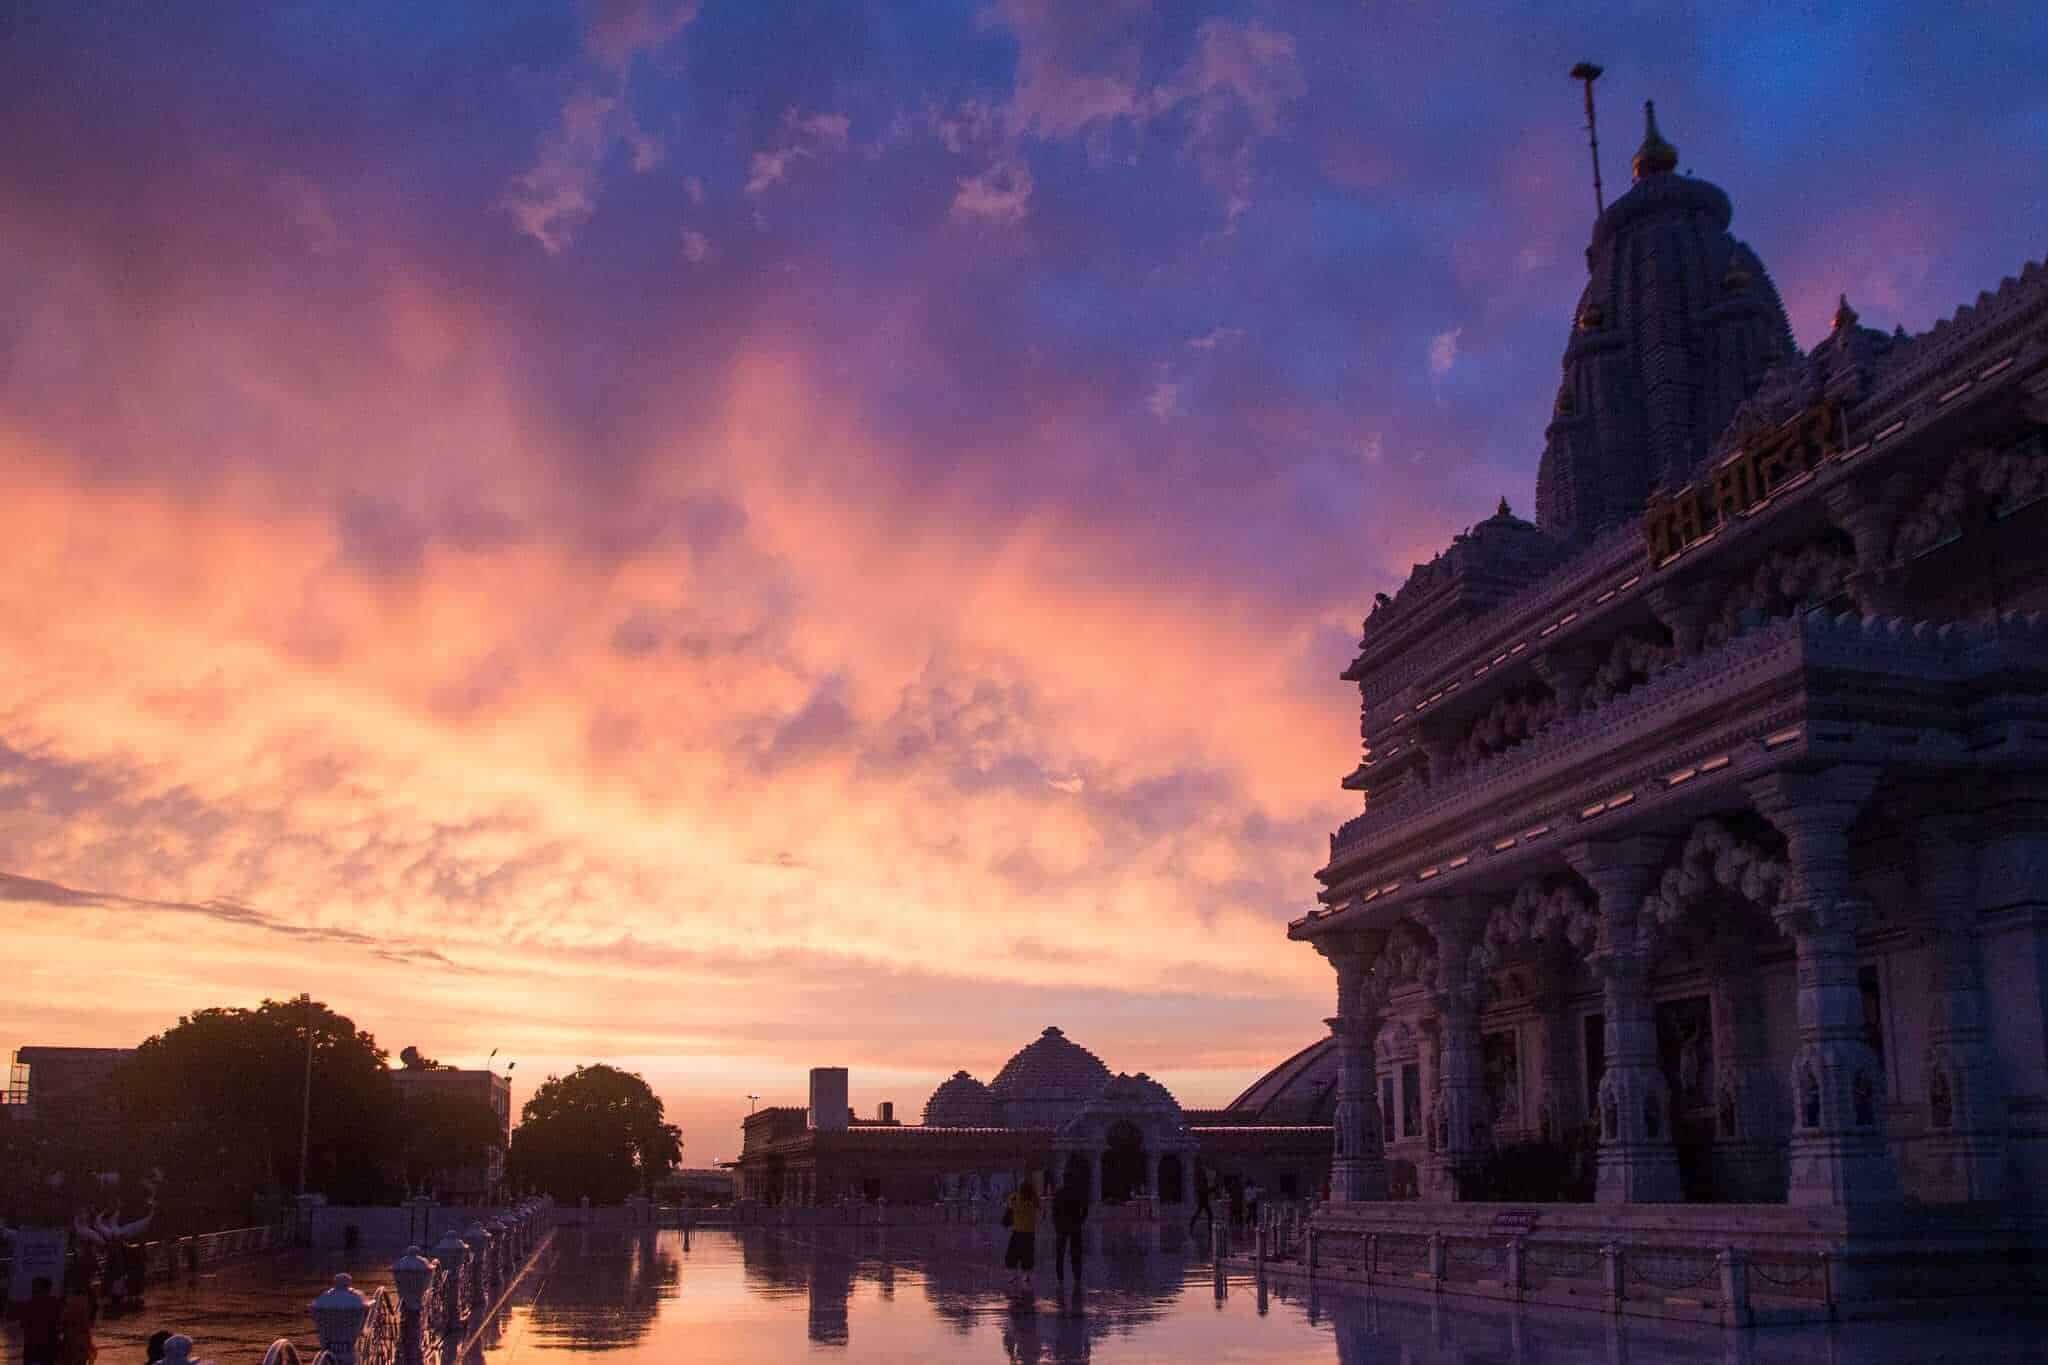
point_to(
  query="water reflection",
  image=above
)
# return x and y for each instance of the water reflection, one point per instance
(621, 1280)
(779, 1294)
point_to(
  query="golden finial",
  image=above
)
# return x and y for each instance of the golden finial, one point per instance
(1502, 510)
(1655, 156)
(1845, 316)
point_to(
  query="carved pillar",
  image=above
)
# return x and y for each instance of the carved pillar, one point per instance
(1358, 1169)
(1566, 675)
(1965, 1096)
(1749, 1112)
(1686, 611)
(1870, 521)
(1838, 1152)
(1439, 751)
(1638, 1164)
(1459, 1122)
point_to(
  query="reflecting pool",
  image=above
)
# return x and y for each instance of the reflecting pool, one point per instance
(940, 1294)
(906, 1294)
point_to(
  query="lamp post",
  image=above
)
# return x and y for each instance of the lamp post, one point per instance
(306, 1093)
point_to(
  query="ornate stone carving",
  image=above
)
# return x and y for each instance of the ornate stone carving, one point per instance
(1982, 483)
(1784, 581)
(1506, 723)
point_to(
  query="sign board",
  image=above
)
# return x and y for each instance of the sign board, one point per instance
(37, 1252)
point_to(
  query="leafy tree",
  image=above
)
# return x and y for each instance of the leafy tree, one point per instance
(597, 1133)
(219, 1097)
(444, 1133)
(412, 1059)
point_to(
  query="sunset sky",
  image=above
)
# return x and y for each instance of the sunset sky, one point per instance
(727, 538)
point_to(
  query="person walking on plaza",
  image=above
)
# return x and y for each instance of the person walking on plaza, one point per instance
(1020, 1216)
(1202, 1195)
(42, 1318)
(76, 1345)
(1251, 1204)
(1069, 1220)
(158, 1343)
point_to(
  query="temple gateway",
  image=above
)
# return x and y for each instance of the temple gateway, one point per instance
(1704, 851)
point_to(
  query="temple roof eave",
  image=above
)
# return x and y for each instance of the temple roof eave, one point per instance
(1824, 691)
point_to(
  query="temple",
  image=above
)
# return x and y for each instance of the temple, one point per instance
(1054, 1112)
(1704, 850)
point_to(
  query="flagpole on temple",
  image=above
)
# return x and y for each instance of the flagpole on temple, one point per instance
(1587, 73)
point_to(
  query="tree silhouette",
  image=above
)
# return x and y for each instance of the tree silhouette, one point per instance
(217, 1102)
(597, 1133)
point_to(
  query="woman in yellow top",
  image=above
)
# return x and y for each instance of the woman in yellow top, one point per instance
(1020, 1215)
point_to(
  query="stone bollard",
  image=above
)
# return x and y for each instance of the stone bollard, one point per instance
(451, 1252)
(338, 1317)
(411, 1274)
(1436, 1261)
(1610, 1274)
(1734, 1288)
(1310, 1235)
(1259, 1247)
(1515, 1284)
(478, 1238)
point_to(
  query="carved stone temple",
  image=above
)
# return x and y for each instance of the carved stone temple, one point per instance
(1704, 852)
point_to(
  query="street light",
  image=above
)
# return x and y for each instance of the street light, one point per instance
(752, 1100)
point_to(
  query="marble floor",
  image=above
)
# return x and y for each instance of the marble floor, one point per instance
(903, 1294)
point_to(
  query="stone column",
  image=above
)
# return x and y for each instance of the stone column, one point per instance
(1686, 611)
(1838, 1152)
(1637, 1164)
(1461, 1101)
(1152, 1175)
(1870, 521)
(1749, 1114)
(1965, 1099)
(1358, 1170)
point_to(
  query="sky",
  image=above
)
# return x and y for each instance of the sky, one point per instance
(726, 537)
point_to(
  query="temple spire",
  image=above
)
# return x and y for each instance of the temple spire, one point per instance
(1655, 156)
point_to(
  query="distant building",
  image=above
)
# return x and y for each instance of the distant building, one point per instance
(1054, 1111)
(474, 1184)
(697, 1187)
(78, 1079)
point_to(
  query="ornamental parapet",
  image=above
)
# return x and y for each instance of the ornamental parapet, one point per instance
(1724, 716)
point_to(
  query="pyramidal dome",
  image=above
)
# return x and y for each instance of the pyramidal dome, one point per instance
(1047, 1082)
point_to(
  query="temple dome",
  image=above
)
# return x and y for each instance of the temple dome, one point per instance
(960, 1102)
(1302, 1089)
(1047, 1082)
(1677, 326)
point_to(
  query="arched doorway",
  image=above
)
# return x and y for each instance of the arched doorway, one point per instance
(1123, 1162)
(1076, 1172)
(1171, 1182)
